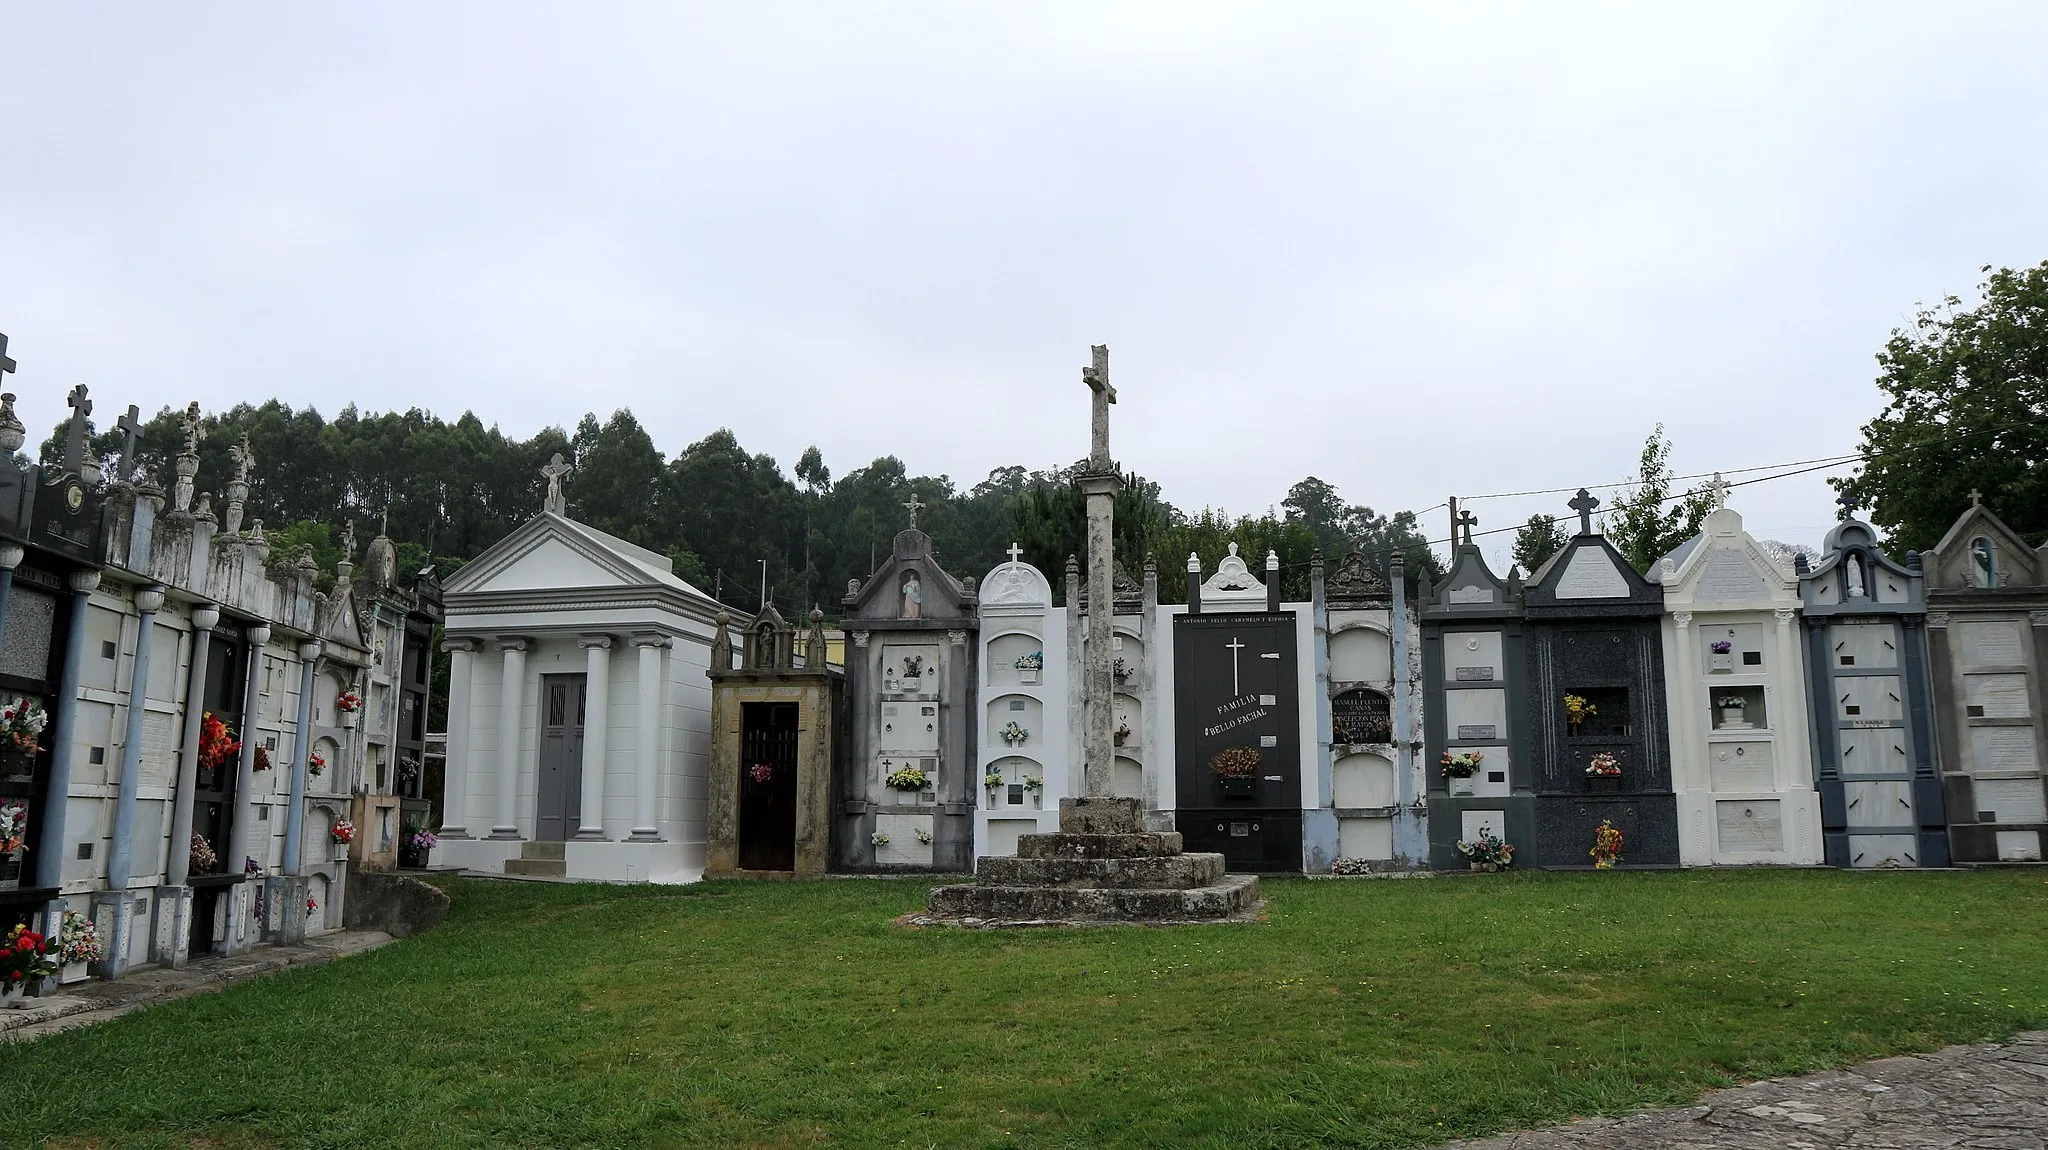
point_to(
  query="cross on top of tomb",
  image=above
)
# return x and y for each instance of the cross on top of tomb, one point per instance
(1719, 490)
(554, 471)
(1849, 503)
(348, 540)
(1467, 521)
(1016, 553)
(242, 456)
(1976, 497)
(913, 506)
(1096, 376)
(129, 425)
(1584, 503)
(74, 444)
(6, 364)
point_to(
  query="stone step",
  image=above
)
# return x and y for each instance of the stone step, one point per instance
(1150, 872)
(541, 851)
(1235, 895)
(554, 868)
(1068, 846)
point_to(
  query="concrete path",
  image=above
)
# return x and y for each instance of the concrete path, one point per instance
(1965, 1097)
(84, 1003)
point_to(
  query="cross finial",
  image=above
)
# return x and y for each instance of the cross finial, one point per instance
(130, 425)
(74, 444)
(913, 506)
(1467, 521)
(1849, 502)
(554, 471)
(1719, 489)
(1096, 376)
(6, 364)
(1976, 497)
(1016, 553)
(192, 427)
(1584, 503)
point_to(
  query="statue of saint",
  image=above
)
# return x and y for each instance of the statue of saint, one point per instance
(913, 597)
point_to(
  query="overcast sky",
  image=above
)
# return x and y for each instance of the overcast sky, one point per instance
(1416, 251)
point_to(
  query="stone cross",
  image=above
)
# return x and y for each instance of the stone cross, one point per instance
(1468, 521)
(1848, 502)
(1719, 490)
(554, 471)
(1976, 497)
(1096, 376)
(348, 540)
(6, 364)
(914, 507)
(130, 425)
(75, 443)
(1584, 503)
(1016, 552)
(1235, 647)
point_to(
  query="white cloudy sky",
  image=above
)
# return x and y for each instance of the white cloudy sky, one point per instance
(1415, 250)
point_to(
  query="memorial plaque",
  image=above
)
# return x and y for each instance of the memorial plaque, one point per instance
(1361, 716)
(1990, 643)
(1477, 731)
(1749, 826)
(1461, 595)
(1474, 674)
(2003, 750)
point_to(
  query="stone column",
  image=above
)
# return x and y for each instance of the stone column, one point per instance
(1098, 770)
(511, 700)
(597, 656)
(455, 781)
(1411, 836)
(646, 824)
(121, 853)
(1789, 715)
(245, 772)
(302, 747)
(179, 866)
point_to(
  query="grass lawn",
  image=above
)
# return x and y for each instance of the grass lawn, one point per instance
(793, 1014)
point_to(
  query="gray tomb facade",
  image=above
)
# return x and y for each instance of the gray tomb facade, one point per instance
(1475, 690)
(1987, 625)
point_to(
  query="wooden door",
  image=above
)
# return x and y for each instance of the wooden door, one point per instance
(558, 805)
(767, 830)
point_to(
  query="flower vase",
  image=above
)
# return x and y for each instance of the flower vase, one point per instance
(1732, 717)
(1572, 727)
(1464, 787)
(15, 997)
(1485, 867)
(340, 852)
(1028, 676)
(1721, 664)
(348, 720)
(72, 972)
(1037, 800)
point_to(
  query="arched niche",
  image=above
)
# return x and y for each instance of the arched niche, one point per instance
(1361, 654)
(317, 845)
(1015, 769)
(1128, 780)
(1130, 651)
(327, 688)
(1029, 715)
(1130, 716)
(329, 777)
(1361, 715)
(1363, 780)
(321, 892)
(1003, 653)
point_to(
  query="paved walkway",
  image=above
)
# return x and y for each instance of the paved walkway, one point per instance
(1964, 1097)
(84, 1003)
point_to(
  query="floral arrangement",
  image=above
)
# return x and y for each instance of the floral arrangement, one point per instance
(21, 726)
(203, 859)
(1577, 710)
(25, 958)
(879, 839)
(761, 772)
(1604, 765)
(312, 905)
(1122, 732)
(262, 759)
(315, 763)
(1014, 734)
(1035, 661)
(424, 840)
(1460, 766)
(1720, 646)
(408, 770)
(349, 703)
(908, 778)
(992, 779)
(78, 939)
(913, 666)
(1606, 845)
(1488, 850)
(1350, 867)
(1236, 762)
(1033, 783)
(251, 867)
(1736, 701)
(924, 836)
(217, 742)
(344, 831)
(1120, 670)
(13, 828)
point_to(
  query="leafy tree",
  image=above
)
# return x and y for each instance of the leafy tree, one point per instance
(1967, 409)
(1539, 539)
(1340, 528)
(1647, 522)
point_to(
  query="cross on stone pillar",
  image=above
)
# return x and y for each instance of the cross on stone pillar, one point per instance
(1099, 483)
(913, 506)
(1016, 553)
(1584, 503)
(1096, 376)
(74, 443)
(130, 425)
(1466, 522)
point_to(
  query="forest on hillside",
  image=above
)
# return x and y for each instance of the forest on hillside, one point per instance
(446, 491)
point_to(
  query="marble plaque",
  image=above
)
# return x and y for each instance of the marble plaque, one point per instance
(1885, 803)
(1474, 674)
(1472, 823)
(1749, 826)
(1477, 731)
(2003, 750)
(1883, 850)
(1989, 643)
(2000, 696)
(2011, 801)
(2019, 846)
(1591, 574)
(1739, 766)
(1458, 595)
(1730, 577)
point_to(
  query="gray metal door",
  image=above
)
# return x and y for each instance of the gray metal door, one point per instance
(558, 800)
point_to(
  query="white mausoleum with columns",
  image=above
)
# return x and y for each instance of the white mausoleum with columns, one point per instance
(579, 712)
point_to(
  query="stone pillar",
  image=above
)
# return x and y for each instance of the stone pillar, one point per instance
(178, 868)
(11, 555)
(1411, 833)
(302, 747)
(647, 758)
(245, 773)
(455, 780)
(1789, 713)
(1098, 771)
(511, 705)
(1194, 584)
(597, 655)
(1689, 748)
(121, 853)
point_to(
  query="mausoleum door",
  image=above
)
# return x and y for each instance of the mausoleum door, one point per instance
(30, 662)
(213, 791)
(558, 802)
(768, 738)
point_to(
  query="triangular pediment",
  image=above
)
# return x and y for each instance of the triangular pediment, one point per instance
(2015, 564)
(1723, 564)
(553, 563)
(1591, 573)
(549, 552)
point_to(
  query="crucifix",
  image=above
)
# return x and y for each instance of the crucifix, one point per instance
(1468, 521)
(130, 425)
(1235, 647)
(6, 364)
(1096, 376)
(1016, 553)
(913, 506)
(1584, 503)
(554, 471)
(74, 444)
(1719, 490)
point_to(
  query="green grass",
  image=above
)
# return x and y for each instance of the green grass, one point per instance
(788, 1014)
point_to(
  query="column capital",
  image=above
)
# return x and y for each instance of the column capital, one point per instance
(205, 616)
(1937, 620)
(651, 639)
(311, 649)
(149, 599)
(860, 639)
(258, 635)
(1785, 615)
(462, 643)
(510, 643)
(11, 555)
(594, 642)
(1682, 618)
(85, 582)
(957, 638)
(2038, 618)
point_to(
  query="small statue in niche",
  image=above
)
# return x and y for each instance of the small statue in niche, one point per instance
(1852, 575)
(913, 597)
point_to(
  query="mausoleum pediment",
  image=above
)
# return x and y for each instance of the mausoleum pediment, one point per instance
(550, 552)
